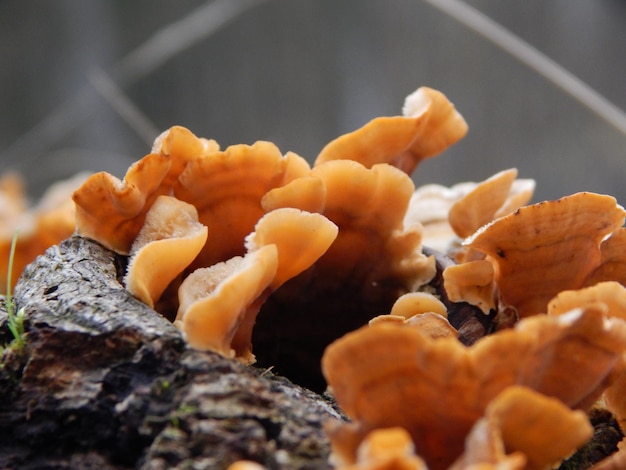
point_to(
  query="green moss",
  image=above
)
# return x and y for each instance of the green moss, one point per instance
(15, 320)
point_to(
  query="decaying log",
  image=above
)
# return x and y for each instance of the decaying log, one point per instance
(105, 382)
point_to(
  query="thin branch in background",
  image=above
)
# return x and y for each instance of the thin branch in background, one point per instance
(533, 58)
(52, 128)
(179, 36)
(170, 40)
(123, 105)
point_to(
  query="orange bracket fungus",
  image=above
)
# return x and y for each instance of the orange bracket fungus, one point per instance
(238, 178)
(37, 228)
(168, 242)
(611, 296)
(471, 282)
(122, 204)
(373, 245)
(372, 259)
(248, 245)
(449, 215)
(429, 125)
(301, 238)
(215, 302)
(524, 430)
(487, 201)
(390, 375)
(545, 248)
(219, 304)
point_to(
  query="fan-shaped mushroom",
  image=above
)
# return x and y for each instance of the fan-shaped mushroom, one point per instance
(523, 429)
(227, 188)
(376, 371)
(219, 304)
(430, 125)
(543, 249)
(168, 242)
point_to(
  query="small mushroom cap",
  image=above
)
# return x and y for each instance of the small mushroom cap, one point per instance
(168, 242)
(111, 211)
(430, 125)
(415, 303)
(216, 301)
(375, 371)
(471, 282)
(301, 238)
(543, 249)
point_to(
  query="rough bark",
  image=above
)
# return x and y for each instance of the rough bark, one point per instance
(105, 382)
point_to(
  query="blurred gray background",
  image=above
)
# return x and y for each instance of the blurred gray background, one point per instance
(88, 84)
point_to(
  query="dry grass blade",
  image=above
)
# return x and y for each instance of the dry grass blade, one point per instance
(535, 59)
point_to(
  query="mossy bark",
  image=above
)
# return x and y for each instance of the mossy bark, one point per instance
(105, 382)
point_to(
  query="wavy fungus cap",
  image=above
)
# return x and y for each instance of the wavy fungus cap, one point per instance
(219, 304)
(451, 214)
(543, 249)
(167, 243)
(377, 371)
(523, 430)
(429, 125)
(36, 228)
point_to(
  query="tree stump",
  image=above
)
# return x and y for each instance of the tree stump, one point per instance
(105, 382)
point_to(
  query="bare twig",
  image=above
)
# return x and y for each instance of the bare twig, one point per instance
(180, 35)
(170, 40)
(533, 58)
(123, 105)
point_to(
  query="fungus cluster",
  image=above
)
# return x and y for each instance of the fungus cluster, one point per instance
(551, 276)
(216, 238)
(457, 328)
